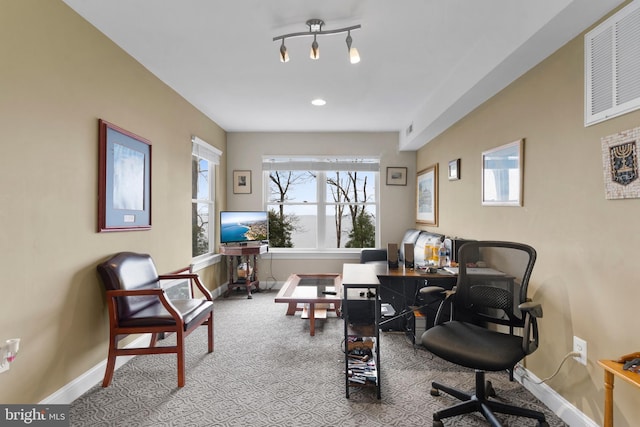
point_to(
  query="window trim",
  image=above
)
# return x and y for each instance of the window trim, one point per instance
(321, 165)
(206, 151)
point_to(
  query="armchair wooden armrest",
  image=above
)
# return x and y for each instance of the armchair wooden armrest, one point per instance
(193, 278)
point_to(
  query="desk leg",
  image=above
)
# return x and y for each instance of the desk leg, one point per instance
(608, 398)
(312, 319)
(291, 309)
(255, 273)
(230, 284)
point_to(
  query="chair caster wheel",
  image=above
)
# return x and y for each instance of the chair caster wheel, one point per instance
(489, 391)
(438, 423)
(543, 424)
(435, 392)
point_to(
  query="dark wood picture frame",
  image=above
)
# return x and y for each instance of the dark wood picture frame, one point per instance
(124, 180)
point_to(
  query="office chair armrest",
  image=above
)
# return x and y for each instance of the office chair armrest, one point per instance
(446, 295)
(428, 290)
(532, 311)
(533, 308)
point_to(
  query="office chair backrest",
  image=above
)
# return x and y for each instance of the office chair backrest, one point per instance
(493, 280)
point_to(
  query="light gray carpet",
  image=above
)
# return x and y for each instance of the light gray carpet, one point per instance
(267, 371)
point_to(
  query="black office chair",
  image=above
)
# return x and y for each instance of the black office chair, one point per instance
(486, 307)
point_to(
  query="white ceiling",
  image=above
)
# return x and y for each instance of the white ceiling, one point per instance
(425, 63)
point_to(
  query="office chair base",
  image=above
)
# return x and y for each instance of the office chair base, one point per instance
(479, 402)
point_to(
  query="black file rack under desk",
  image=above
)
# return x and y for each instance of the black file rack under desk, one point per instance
(361, 313)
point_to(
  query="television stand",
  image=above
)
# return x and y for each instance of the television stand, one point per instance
(243, 254)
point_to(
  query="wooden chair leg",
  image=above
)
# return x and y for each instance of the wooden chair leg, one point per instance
(210, 332)
(180, 351)
(111, 362)
(154, 340)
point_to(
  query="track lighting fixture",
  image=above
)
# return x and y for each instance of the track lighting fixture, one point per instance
(315, 30)
(284, 56)
(315, 50)
(354, 56)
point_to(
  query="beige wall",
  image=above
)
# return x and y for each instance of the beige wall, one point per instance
(245, 151)
(59, 75)
(585, 276)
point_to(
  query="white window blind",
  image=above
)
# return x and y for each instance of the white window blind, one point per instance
(274, 163)
(205, 150)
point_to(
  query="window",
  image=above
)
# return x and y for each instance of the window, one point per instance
(320, 203)
(204, 159)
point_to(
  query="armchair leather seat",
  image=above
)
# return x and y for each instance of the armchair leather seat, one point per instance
(191, 311)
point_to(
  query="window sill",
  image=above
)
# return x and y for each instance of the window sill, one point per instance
(205, 261)
(279, 253)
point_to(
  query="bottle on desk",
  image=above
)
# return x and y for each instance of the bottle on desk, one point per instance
(443, 256)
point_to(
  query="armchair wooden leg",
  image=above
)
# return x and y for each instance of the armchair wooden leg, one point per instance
(180, 351)
(154, 340)
(210, 332)
(111, 362)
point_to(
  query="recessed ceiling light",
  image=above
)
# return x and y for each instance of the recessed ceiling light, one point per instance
(318, 102)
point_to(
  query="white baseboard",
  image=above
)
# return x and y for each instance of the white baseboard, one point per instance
(554, 401)
(93, 376)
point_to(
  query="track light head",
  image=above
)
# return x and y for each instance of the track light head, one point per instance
(284, 55)
(354, 55)
(315, 49)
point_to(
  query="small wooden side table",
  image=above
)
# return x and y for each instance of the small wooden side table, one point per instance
(611, 370)
(251, 252)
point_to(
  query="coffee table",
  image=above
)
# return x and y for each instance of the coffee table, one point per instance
(311, 289)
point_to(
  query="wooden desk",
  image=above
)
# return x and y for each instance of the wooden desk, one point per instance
(611, 370)
(383, 270)
(251, 252)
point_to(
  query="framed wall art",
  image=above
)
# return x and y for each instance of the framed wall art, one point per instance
(396, 176)
(427, 196)
(124, 181)
(454, 170)
(241, 182)
(620, 165)
(502, 169)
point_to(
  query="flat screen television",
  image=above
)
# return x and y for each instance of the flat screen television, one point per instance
(237, 227)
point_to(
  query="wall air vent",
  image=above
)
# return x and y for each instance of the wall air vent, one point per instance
(612, 60)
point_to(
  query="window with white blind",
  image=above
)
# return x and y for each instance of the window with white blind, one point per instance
(321, 203)
(204, 159)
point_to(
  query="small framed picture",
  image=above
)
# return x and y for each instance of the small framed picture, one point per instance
(396, 176)
(241, 182)
(454, 170)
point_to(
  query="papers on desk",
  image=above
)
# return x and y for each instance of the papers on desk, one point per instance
(476, 270)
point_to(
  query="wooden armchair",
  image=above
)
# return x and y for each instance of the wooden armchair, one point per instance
(137, 304)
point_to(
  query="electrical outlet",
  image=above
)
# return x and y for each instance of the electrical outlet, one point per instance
(580, 346)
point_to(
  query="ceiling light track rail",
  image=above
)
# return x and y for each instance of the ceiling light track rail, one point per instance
(315, 30)
(320, 33)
